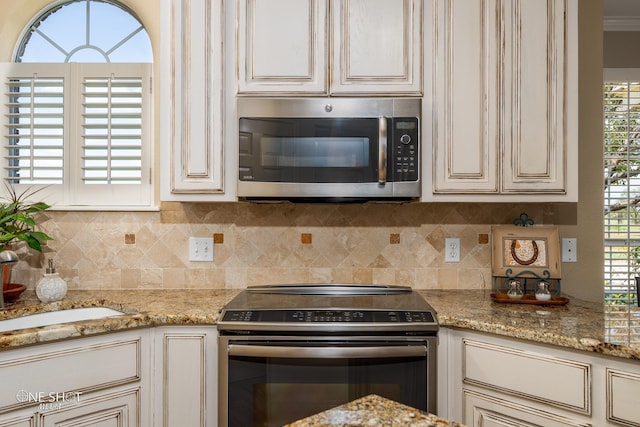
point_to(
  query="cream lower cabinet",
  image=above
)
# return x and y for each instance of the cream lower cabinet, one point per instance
(502, 105)
(93, 381)
(165, 376)
(623, 395)
(487, 380)
(337, 47)
(186, 376)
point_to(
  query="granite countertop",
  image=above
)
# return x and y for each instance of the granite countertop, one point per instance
(143, 308)
(578, 325)
(373, 410)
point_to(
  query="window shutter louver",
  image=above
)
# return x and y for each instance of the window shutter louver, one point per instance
(34, 143)
(112, 131)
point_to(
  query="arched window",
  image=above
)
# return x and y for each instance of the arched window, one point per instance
(78, 104)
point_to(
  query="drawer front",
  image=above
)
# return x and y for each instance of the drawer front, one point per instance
(550, 380)
(623, 394)
(487, 411)
(41, 374)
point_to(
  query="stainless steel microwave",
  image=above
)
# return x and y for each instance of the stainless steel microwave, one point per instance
(329, 148)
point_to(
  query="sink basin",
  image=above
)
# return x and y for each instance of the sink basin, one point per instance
(56, 317)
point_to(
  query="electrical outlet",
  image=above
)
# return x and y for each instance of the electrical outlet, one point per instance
(200, 248)
(452, 249)
(569, 251)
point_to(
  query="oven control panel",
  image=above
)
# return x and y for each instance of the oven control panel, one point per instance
(328, 316)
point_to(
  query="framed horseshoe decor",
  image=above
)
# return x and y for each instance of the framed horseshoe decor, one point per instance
(525, 251)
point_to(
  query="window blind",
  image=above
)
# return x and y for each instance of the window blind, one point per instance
(621, 190)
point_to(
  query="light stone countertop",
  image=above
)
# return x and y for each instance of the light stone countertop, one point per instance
(579, 325)
(373, 410)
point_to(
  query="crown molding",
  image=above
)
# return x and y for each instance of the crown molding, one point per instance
(622, 23)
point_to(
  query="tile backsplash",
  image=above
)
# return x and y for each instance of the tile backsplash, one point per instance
(275, 243)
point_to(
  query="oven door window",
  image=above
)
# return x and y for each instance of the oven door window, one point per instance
(273, 391)
(309, 150)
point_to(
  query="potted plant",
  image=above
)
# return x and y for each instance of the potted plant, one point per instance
(18, 220)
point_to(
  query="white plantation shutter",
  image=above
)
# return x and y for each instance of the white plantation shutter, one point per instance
(81, 129)
(112, 130)
(35, 126)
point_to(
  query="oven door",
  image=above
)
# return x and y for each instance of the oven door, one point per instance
(272, 382)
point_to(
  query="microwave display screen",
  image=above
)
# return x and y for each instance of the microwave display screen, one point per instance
(315, 152)
(406, 125)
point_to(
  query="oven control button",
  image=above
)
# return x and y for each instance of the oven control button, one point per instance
(405, 139)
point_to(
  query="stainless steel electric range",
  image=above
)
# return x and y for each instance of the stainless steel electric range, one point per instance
(290, 351)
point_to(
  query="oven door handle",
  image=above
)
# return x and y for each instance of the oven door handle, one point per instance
(382, 150)
(330, 352)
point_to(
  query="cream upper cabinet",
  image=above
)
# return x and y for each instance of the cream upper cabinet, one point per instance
(330, 47)
(377, 47)
(192, 107)
(466, 103)
(282, 46)
(504, 91)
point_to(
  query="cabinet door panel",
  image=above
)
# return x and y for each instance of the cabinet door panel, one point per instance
(377, 46)
(467, 97)
(195, 110)
(184, 368)
(282, 46)
(11, 420)
(120, 409)
(535, 108)
(487, 411)
(623, 389)
(186, 360)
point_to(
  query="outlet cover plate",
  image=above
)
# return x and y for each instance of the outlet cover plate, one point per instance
(201, 249)
(452, 249)
(569, 251)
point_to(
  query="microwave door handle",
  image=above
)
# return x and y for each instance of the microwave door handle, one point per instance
(382, 150)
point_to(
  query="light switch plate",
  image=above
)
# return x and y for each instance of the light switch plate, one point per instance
(200, 248)
(569, 250)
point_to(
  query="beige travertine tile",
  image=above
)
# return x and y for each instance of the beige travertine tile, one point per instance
(379, 243)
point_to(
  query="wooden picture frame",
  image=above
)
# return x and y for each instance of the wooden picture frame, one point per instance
(525, 251)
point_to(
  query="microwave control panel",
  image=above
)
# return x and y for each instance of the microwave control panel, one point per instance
(405, 149)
